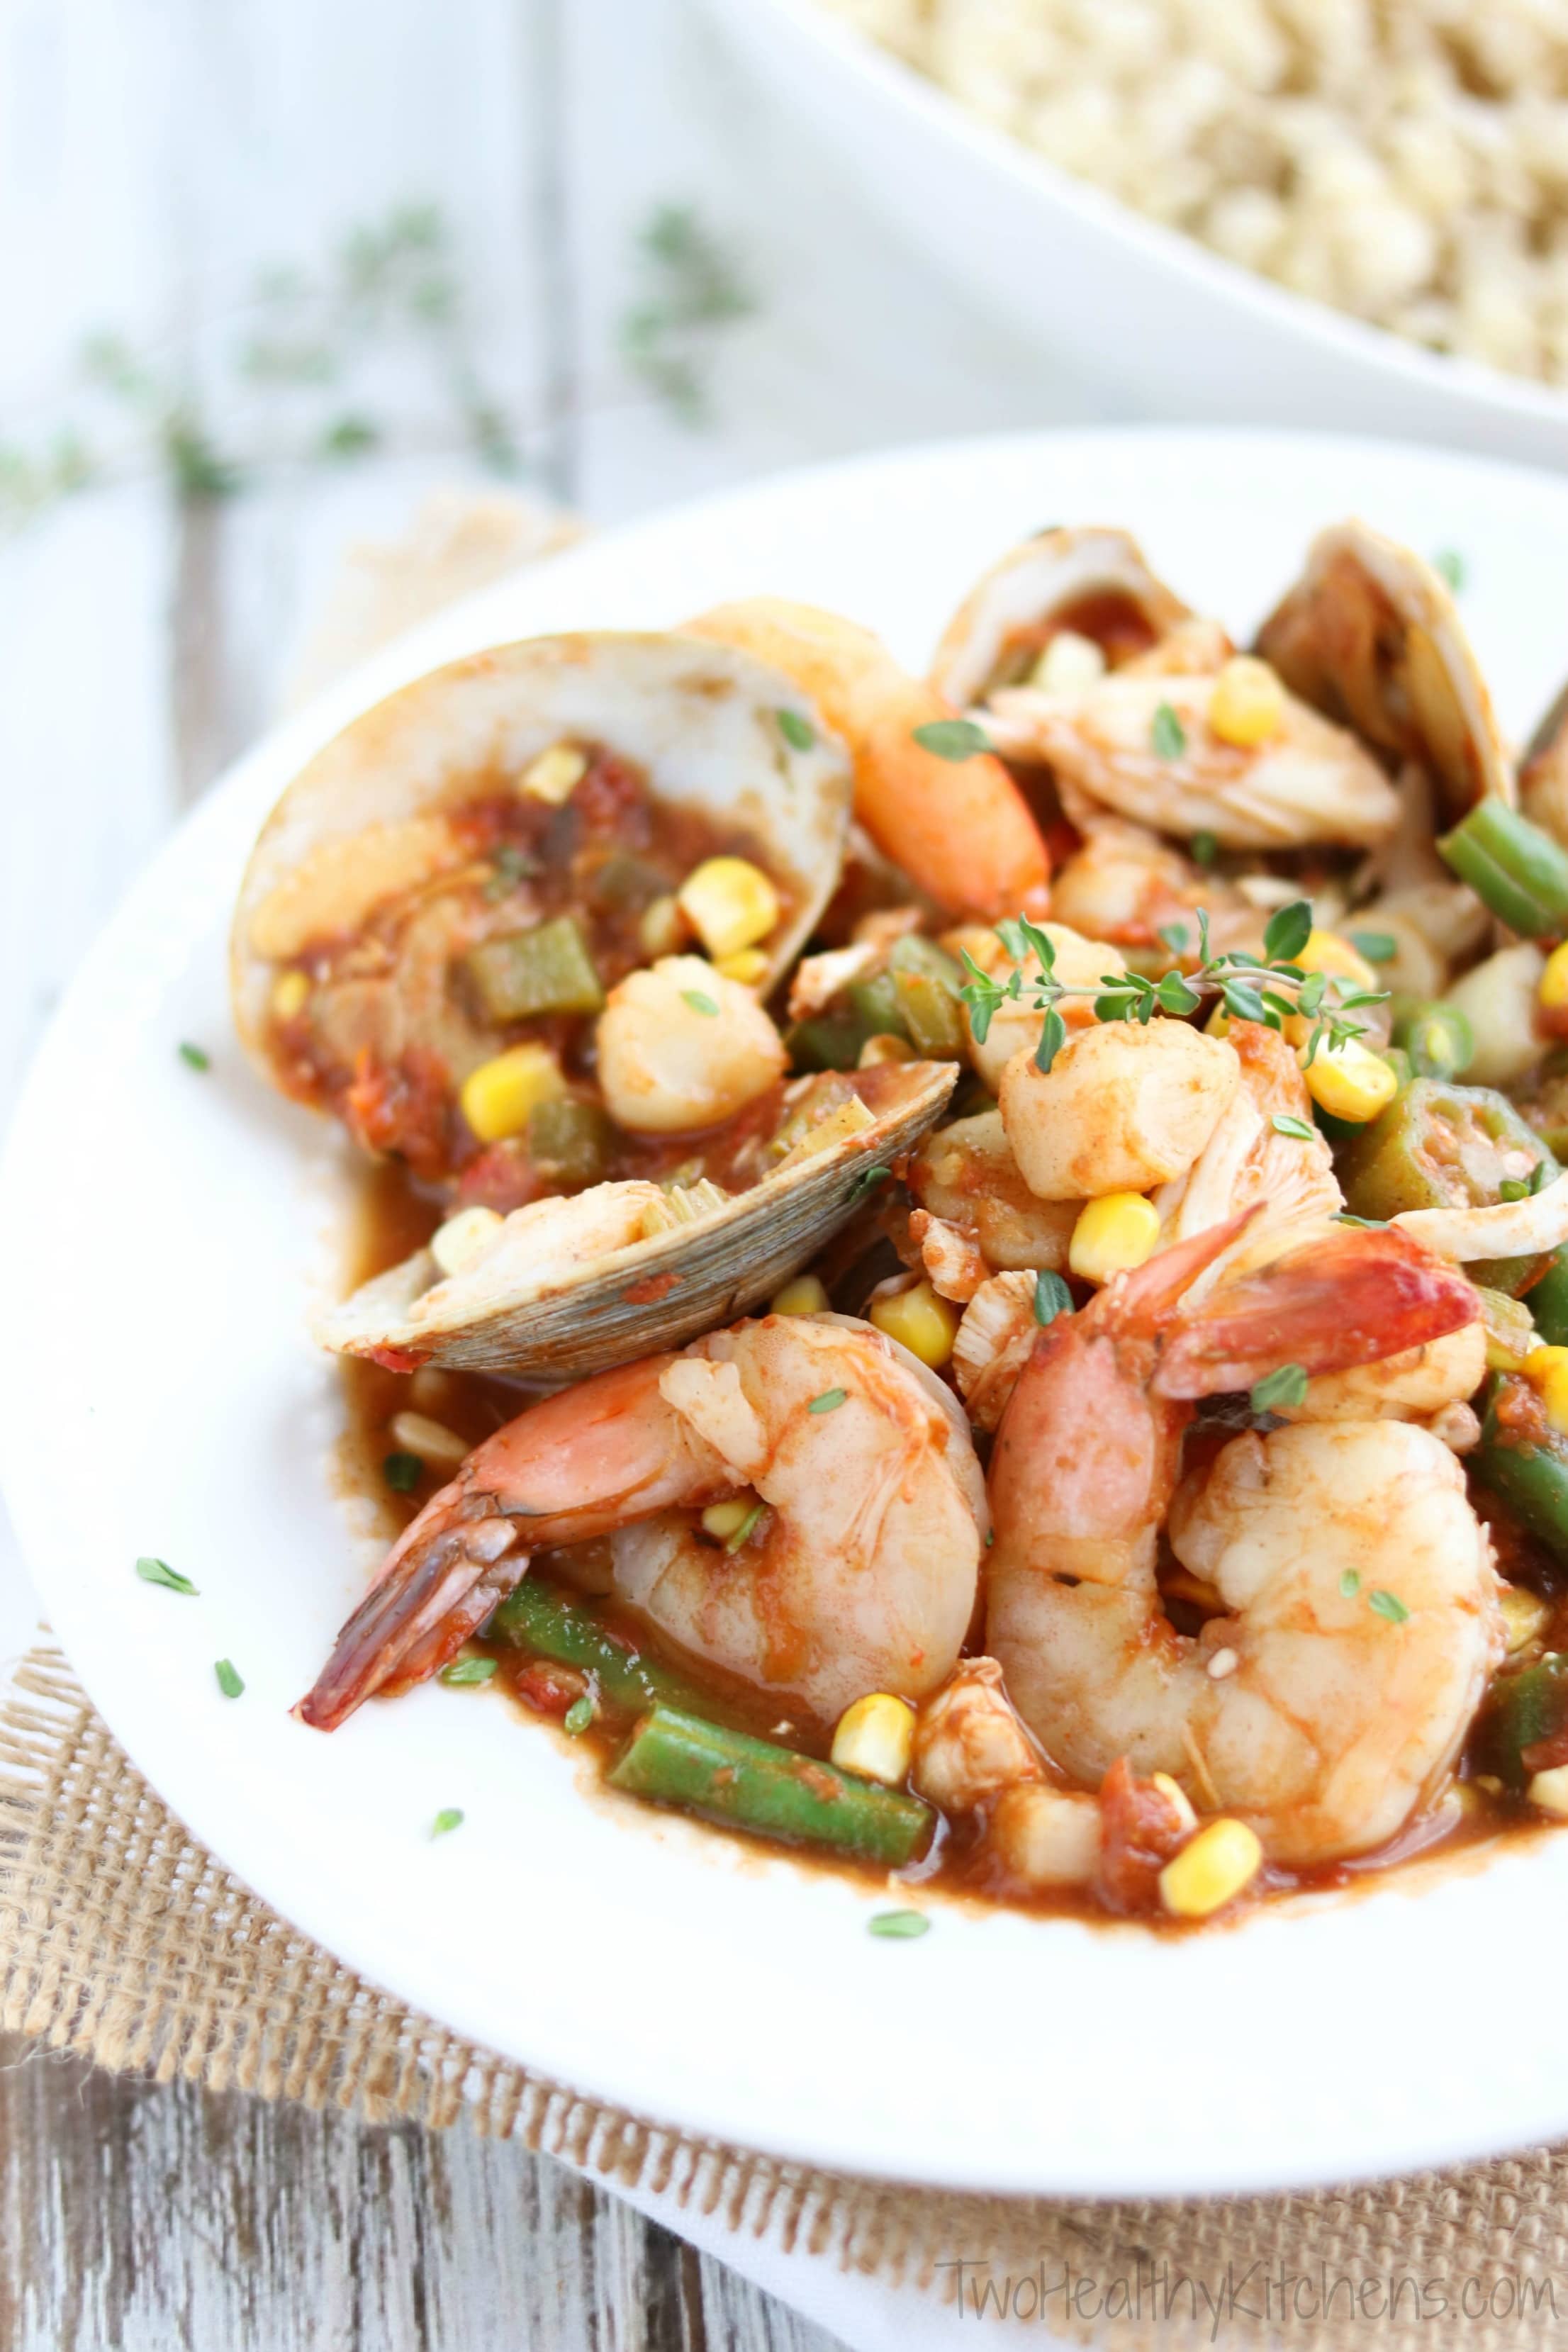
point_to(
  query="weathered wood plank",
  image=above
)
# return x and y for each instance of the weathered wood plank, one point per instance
(140, 2217)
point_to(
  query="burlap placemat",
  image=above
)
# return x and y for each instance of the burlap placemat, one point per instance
(121, 1939)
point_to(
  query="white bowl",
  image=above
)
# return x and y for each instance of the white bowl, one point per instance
(158, 1393)
(1192, 335)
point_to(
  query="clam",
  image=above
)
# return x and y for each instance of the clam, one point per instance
(571, 1285)
(368, 819)
(1091, 585)
(1371, 636)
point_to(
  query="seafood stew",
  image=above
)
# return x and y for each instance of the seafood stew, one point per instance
(1092, 1430)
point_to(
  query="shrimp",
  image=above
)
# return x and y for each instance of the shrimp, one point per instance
(860, 1575)
(1126, 884)
(960, 828)
(1326, 1706)
(1310, 782)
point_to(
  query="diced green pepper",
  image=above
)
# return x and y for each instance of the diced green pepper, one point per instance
(875, 1004)
(927, 981)
(1521, 1457)
(1522, 1709)
(678, 1760)
(629, 882)
(1437, 1038)
(570, 1141)
(828, 1041)
(1517, 871)
(546, 969)
(549, 1622)
(1443, 1145)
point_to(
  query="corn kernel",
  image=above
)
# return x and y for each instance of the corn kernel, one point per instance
(875, 1738)
(730, 904)
(884, 1047)
(1327, 952)
(1069, 663)
(1350, 1081)
(463, 1238)
(1524, 1617)
(1112, 1235)
(1553, 989)
(432, 1440)
(555, 775)
(1176, 1797)
(726, 1519)
(804, 1295)
(1247, 705)
(1546, 1369)
(1210, 1869)
(290, 994)
(663, 930)
(748, 965)
(926, 1325)
(1549, 1789)
(498, 1097)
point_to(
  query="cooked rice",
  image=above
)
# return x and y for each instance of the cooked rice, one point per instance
(1404, 160)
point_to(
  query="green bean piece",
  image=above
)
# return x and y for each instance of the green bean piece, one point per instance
(1522, 1458)
(933, 1015)
(1437, 1038)
(570, 1142)
(1524, 1708)
(540, 1618)
(547, 969)
(1547, 1300)
(828, 1041)
(677, 1759)
(1518, 871)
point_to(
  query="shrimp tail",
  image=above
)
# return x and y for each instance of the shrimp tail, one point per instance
(1350, 1297)
(441, 1582)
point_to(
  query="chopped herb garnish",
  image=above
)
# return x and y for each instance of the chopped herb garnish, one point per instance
(1287, 932)
(1285, 1122)
(796, 730)
(229, 1680)
(1451, 565)
(1176, 937)
(402, 1472)
(512, 866)
(749, 1522)
(1167, 734)
(451, 1818)
(828, 1401)
(1053, 1038)
(579, 1714)
(1349, 1583)
(898, 1923)
(196, 1056)
(1513, 1188)
(158, 1572)
(1377, 947)
(1540, 1177)
(1204, 848)
(700, 1003)
(463, 1671)
(952, 738)
(1288, 1386)
(1368, 1224)
(1052, 1297)
(1387, 1604)
(868, 1181)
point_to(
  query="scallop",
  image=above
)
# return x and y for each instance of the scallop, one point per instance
(715, 731)
(1091, 582)
(1371, 636)
(572, 1286)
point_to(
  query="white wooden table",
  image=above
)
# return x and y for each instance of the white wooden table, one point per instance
(155, 154)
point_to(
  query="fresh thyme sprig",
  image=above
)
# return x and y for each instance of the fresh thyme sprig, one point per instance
(1272, 990)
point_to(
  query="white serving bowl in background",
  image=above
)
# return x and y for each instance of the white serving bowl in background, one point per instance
(1188, 334)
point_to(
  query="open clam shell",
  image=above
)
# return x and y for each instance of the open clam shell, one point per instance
(711, 727)
(1092, 580)
(1372, 637)
(568, 1286)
